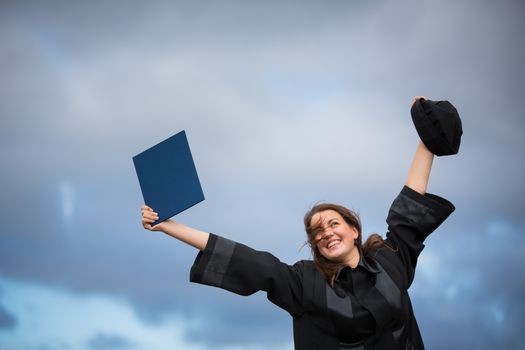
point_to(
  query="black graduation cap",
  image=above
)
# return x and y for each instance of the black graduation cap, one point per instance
(438, 125)
(168, 177)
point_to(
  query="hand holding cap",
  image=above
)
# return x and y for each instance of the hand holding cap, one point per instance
(438, 125)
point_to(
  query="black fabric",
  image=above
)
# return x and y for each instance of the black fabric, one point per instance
(438, 125)
(368, 307)
(352, 321)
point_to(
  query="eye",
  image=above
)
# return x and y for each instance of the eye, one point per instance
(334, 224)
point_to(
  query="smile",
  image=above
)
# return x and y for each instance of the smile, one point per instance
(333, 244)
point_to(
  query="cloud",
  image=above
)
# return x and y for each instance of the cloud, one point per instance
(103, 341)
(7, 320)
(284, 104)
(53, 318)
(475, 278)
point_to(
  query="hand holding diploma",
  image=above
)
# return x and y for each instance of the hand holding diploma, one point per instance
(149, 217)
(186, 234)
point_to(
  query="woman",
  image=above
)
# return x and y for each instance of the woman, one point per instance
(350, 296)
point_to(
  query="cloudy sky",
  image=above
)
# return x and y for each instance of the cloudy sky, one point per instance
(284, 103)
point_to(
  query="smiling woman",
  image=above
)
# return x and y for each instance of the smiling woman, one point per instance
(334, 234)
(350, 296)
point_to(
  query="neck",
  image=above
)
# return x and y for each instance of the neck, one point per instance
(353, 258)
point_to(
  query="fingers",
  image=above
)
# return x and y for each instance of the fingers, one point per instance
(148, 217)
(147, 211)
(417, 98)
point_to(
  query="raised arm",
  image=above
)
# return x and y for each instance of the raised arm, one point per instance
(419, 172)
(186, 234)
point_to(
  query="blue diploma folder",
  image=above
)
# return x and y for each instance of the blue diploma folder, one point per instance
(168, 178)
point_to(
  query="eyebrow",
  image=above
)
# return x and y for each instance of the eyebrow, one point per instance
(332, 219)
(319, 226)
(322, 225)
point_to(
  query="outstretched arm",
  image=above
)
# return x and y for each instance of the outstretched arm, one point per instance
(235, 267)
(186, 234)
(419, 172)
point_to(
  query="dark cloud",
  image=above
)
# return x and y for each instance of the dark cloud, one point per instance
(470, 282)
(252, 321)
(8, 321)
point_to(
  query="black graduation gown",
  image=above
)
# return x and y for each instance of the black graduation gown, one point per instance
(368, 307)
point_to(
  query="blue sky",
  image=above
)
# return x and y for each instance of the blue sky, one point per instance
(285, 103)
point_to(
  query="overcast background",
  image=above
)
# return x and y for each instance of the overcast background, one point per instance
(284, 103)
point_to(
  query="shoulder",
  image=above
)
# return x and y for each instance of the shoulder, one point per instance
(386, 261)
(305, 266)
(387, 251)
(308, 272)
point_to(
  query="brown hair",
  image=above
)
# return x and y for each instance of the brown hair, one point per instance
(328, 267)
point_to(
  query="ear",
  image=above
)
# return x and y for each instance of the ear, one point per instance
(355, 233)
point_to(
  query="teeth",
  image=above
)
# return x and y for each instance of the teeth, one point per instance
(333, 243)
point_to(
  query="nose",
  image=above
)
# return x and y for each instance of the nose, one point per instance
(327, 234)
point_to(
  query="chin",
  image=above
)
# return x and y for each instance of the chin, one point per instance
(334, 257)
(338, 256)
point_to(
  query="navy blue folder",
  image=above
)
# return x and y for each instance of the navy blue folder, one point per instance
(168, 178)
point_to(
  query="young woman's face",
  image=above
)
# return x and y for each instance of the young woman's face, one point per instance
(335, 239)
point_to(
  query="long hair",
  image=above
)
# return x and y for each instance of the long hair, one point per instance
(328, 267)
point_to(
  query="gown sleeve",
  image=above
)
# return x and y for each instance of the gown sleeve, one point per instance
(242, 270)
(411, 218)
